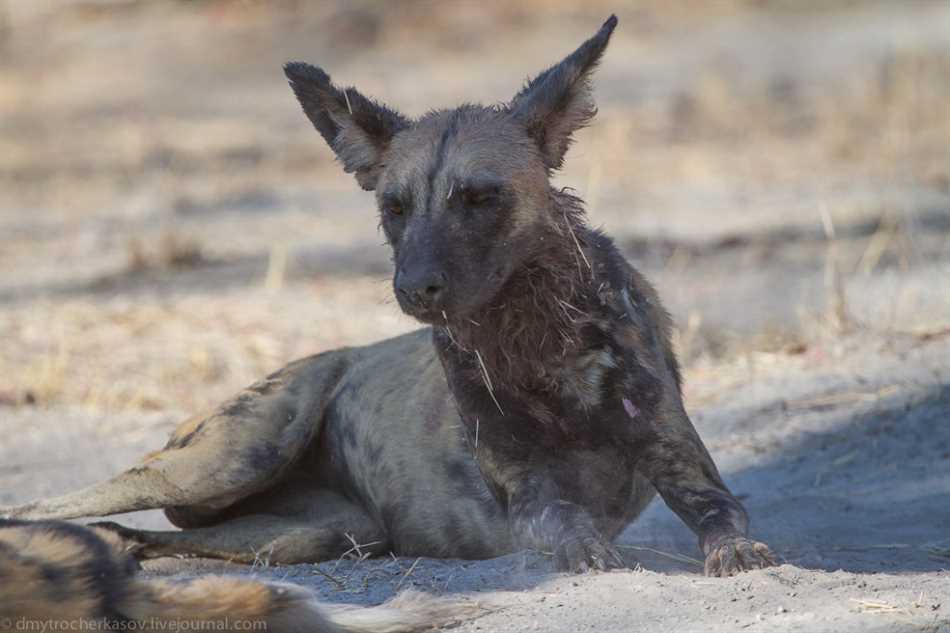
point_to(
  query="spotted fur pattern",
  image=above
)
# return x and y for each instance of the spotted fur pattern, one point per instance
(69, 577)
(541, 407)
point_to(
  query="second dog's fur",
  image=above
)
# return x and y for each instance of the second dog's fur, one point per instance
(56, 576)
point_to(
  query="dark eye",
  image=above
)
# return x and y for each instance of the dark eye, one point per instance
(394, 209)
(477, 197)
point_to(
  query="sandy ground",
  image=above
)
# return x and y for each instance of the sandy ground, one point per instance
(841, 453)
(171, 230)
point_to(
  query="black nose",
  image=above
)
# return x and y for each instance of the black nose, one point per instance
(423, 289)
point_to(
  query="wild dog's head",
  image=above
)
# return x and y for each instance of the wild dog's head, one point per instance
(464, 194)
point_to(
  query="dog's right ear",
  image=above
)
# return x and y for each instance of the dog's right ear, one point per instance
(559, 101)
(357, 128)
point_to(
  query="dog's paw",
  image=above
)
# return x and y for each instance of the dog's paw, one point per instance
(736, 554)
(583, 553)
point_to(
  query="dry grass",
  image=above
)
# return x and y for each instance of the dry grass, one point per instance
(110, 174)
(887, 608)
(181, 353)
(408, 573)
(680, 558)
(172, 251)
(487, 379)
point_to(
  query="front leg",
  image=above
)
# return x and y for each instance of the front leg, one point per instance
(678, 465)
(671, 453)
(539, 520)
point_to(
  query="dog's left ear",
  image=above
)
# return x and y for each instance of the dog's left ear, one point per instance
(558, 102)
(356, 128)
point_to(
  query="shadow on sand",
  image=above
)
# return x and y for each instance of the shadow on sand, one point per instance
(871, 494)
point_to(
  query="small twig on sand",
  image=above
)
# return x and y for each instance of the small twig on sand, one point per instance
(935, 552)
(870, 548)
(358, 550)
(407, 574)
(445, 587)
(336, 581)
(938, 552)
(873, 606)
(682, 558)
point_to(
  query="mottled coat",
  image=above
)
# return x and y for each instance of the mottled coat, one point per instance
(57, 576)
(541, 407)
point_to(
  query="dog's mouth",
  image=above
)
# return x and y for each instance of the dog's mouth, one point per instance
(427, 315)
(464, 298)
(455, 306)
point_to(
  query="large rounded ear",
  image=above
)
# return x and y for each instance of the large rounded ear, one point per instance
(356, 128)
(558, 102)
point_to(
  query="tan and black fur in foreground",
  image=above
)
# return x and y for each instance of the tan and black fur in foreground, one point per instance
(541, 408)
(74, 578)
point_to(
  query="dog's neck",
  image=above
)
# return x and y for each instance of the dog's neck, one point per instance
(523, 337)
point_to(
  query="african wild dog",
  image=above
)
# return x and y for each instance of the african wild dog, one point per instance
(540, 409)
(60, 576)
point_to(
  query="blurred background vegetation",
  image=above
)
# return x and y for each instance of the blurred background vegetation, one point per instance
(171, 228)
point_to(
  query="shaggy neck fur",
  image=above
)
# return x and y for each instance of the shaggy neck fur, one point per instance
(534, 323)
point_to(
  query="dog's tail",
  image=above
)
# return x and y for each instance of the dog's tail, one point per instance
(409, 611)
(223, 603)
(63, 575)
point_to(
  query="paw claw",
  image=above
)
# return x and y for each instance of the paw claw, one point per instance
(738, 554)
(580, 555)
